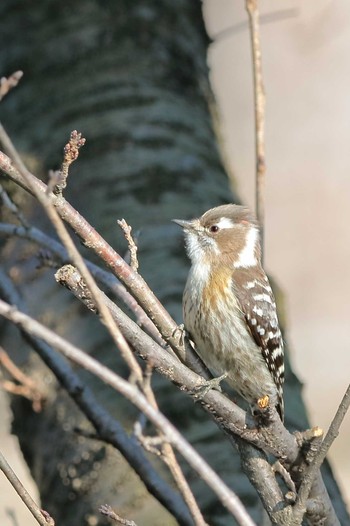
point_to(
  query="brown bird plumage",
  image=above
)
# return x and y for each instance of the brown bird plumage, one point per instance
(228, 305)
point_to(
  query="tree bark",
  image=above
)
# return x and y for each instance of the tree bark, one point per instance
(132, 77)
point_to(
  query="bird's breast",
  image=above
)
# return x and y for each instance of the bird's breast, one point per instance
(211, 312)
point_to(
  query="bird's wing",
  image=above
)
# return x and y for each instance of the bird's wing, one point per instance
(257, 303)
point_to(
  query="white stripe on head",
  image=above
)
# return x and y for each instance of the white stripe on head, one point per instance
(247, 257)
(225, 222)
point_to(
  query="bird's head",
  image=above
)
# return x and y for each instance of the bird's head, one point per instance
(229, 232)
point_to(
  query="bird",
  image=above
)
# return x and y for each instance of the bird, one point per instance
(229, 310)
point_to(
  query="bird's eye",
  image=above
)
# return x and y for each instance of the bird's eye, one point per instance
(214, 228)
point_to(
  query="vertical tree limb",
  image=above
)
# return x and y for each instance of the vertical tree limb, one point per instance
(309, 476)
(259, 114)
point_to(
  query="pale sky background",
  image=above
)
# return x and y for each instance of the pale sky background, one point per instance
(306, 59)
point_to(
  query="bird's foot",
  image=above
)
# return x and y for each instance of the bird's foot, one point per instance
(201, 390)
(180, 333)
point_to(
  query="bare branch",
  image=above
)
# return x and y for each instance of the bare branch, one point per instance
(134, 264)
(309, 475)
(259, 106)
(261, 474)
(26, 387)
(107, 511)
(227, 497)
(71, 153)
(42, 517)
(268, 18)
(7, 84)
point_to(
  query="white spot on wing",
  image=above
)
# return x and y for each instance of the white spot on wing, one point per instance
(257, 310)
(276, 353)
(262, 297)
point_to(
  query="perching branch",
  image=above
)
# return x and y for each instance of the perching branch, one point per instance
(228, 415)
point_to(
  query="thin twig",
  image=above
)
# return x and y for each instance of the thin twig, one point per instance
(107, 511)
(259, 113)
(309, 475)
(15, 372)
(227, 497)
(7, 84)
(70, 154)
(26, 387)
(268, 18)
(134, 264)
(42, 517)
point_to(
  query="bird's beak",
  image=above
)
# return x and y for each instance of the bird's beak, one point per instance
(186, 225)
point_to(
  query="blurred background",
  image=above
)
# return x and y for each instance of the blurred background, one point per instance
(305, 48)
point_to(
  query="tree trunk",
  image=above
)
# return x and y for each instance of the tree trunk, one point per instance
(132, 77)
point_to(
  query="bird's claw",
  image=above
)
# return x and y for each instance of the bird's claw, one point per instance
(180, 333)
(214, 383)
